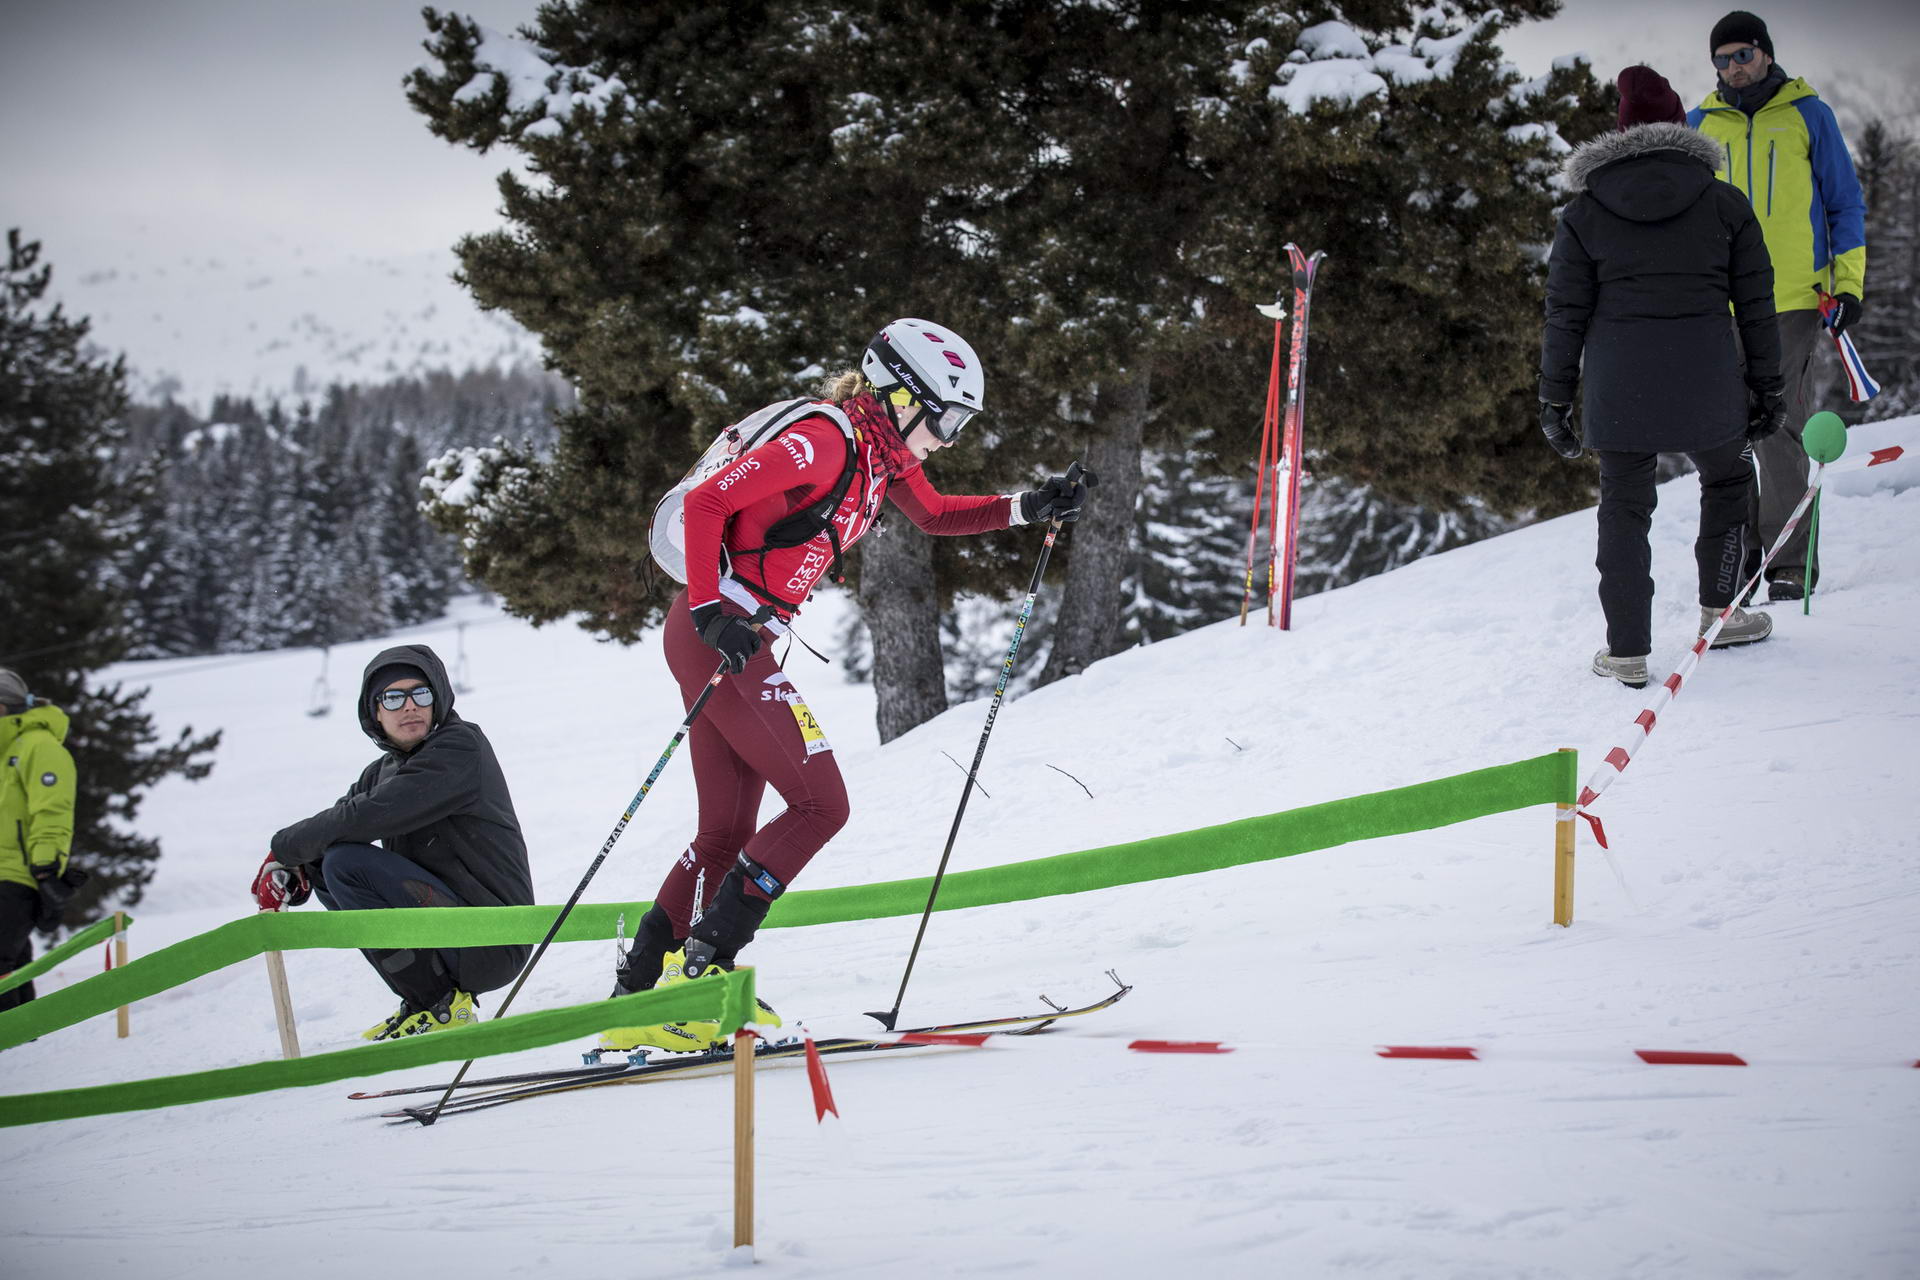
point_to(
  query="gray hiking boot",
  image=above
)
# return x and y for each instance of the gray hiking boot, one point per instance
(1631, 672)
(1742, 627)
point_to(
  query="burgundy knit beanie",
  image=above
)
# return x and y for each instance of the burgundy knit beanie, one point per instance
(1647, 98)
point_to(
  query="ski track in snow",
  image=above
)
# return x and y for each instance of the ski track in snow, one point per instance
(1766, 831)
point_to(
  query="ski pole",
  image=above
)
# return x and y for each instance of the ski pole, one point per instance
(422, 1114)
(888, 1018)
(1268, 419)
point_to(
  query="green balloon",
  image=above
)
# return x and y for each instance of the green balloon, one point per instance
(1825, 437)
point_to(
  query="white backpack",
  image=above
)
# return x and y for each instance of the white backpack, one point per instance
(667, 534)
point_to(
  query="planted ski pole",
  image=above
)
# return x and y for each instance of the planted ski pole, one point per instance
(887, 1019)
(1269, 448)
(425, 1116)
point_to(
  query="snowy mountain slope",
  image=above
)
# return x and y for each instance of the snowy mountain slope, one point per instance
(285, 324)
(1766, 831)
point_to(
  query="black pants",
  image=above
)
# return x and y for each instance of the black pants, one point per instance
(17, 905)
(1626, 514)
(358, 877)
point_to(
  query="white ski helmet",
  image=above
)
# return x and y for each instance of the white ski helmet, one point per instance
(937, 368)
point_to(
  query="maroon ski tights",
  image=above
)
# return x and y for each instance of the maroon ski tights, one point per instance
(747, 737)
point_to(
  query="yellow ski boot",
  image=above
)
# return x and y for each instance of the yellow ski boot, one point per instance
(679, 1037)
(455, 1009)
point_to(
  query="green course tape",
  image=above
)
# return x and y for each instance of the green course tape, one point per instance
(73, 946)
(1544, 779)
(728, 999)
(1541, 780)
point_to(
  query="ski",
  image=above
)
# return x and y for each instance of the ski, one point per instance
(486, 1082)
(1292, 459)
(568, 1080)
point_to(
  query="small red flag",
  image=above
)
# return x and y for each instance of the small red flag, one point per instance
(106, 953)
(1599, 832)
(822, 1091)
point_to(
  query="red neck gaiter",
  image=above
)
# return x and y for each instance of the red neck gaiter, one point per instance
(871, 420)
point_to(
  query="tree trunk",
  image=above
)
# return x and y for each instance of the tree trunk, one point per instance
(1091, 623)
(903, 620)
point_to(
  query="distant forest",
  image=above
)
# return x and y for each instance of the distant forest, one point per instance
(292, 523)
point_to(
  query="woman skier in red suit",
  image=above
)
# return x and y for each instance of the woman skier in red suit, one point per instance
(759, 534)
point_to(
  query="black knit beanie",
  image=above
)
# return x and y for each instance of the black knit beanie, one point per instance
(1741, 27)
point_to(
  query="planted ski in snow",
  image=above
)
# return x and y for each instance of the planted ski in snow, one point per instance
(566, 1080)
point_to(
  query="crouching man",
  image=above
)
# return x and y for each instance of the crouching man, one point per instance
(437, 802)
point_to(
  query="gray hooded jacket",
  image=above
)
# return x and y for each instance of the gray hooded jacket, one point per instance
(1645, 262)
(443, 806)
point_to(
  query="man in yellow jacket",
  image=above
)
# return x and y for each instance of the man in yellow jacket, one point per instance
(1779, 144)
(36, 822)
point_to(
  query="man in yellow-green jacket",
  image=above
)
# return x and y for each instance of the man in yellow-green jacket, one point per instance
(1780, 145)
(36, 822)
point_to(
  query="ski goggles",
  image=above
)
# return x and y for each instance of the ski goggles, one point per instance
(1740, 56)
(944, 423)
(394, 699)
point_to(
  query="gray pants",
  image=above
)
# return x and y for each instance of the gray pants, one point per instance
(1780, 462)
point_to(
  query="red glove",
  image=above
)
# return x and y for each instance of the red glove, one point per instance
(278, 887)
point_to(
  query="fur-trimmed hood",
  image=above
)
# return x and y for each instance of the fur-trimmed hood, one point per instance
(1647, 173)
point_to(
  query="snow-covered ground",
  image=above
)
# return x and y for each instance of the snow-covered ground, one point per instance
(1767, 832)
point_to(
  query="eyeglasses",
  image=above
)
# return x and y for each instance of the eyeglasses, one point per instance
(394, 699)
(1741, 56)
(945, 423)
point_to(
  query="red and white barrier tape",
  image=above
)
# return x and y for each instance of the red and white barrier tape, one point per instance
(1440, 1053)
(822, 1091)
(1614, 763)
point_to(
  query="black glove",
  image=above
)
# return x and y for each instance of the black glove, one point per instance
(1556, 423)
(1766, 414)
(728, 634)
(1845, 315)
(1058, 499)
(55, 893)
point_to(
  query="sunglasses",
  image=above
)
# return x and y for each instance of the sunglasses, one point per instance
(394, 699)
(945, 423)
(1741, 56)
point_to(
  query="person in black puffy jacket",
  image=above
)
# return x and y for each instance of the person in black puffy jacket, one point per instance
(1648, 255)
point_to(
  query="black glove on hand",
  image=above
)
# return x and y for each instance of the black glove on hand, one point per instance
(1846, 314)
(1058, 499)
(728, 634)
(1766, 414)
(55, 893)
(1556, 423)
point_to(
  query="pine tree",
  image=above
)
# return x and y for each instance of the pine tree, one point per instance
(1888, 163)
(1095, 194)
(1190, 549)
(684, 266)
(61, 619)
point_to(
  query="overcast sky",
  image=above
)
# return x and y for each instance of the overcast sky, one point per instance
(138, 129)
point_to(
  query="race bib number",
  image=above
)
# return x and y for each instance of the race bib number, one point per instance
(810, 732)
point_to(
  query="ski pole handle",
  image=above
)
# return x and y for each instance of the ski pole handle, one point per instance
(1075, 472)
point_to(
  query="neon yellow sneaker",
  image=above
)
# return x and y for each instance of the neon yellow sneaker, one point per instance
(679, 1037)
(455, 1009)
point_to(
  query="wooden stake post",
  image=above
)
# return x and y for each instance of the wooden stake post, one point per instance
(1563, 862)
(282, 1005)
(743, 1139)
(122, 1028)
